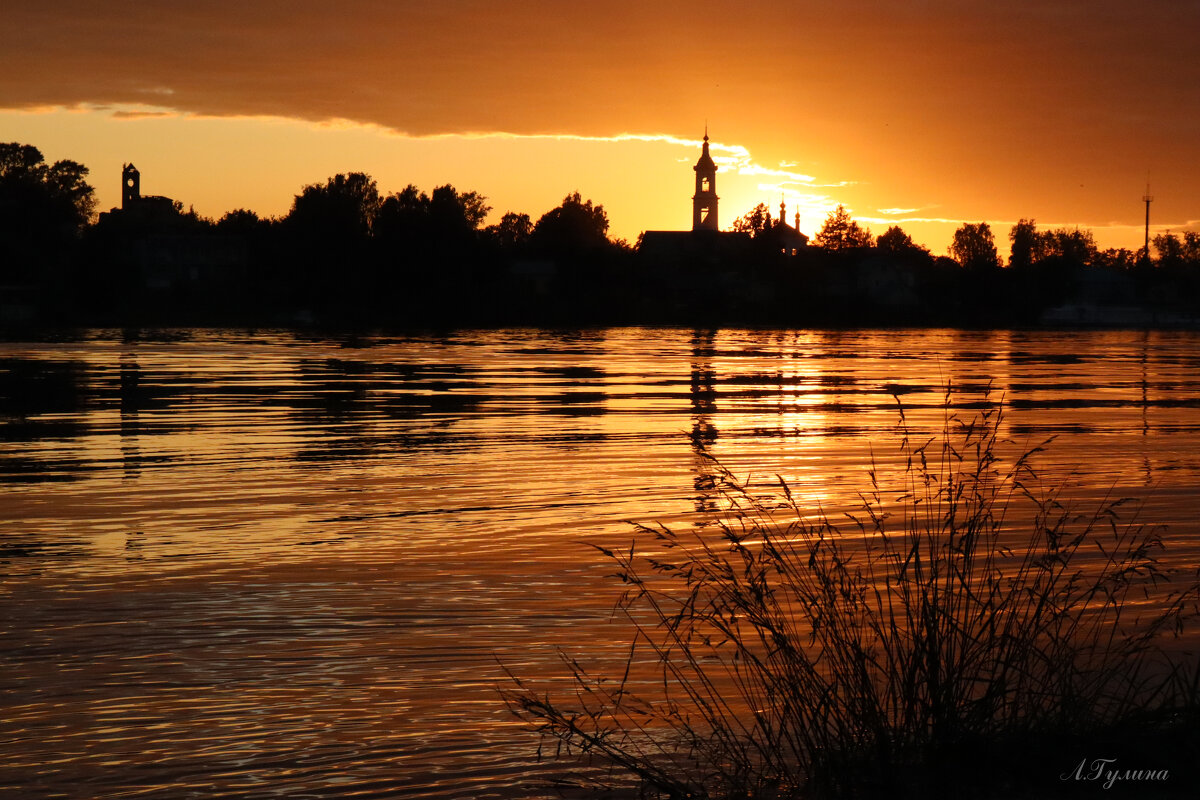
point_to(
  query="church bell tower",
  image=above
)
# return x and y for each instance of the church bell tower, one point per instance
(704, 201)
(131, 185)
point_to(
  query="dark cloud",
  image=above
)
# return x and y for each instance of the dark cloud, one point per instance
(941, 85)
(457, 64)
(419, 67)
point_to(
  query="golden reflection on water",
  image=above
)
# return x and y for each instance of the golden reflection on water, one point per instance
(237, 564)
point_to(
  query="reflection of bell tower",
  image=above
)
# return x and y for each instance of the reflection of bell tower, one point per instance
(131, 185)
(704, 202)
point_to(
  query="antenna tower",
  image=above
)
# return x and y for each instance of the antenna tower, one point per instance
(1147, 198)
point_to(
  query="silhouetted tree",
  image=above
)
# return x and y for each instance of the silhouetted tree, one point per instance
(242, 222)
(427, 251)
(1045, 265)
(1025, 244)
(1116, 258)
(326, 242)
(56, 190)
(1072, 246)
(895, 241)
(411, 217)
(453, 216)
(840, 232)
(43, 207)
(1169, 249)
(974, 247)
(1191, 247)
(403, 215)
(754, 222)
(573, 227)
(512, 232)
(1064, 246)
(344, 206)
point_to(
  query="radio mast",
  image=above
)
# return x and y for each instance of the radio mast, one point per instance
(1147, 198)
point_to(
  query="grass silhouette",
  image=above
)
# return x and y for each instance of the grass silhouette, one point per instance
(928, 646)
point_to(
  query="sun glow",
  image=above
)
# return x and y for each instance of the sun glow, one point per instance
(216, 164)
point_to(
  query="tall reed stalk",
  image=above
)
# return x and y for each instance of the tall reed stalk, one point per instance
(778, 654)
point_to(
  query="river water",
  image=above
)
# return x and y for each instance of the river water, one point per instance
(255, 564)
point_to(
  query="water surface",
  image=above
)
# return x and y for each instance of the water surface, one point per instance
(248, 564)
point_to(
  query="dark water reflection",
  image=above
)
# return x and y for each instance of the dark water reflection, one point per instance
(251, 564)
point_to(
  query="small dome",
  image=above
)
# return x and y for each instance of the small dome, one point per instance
(705, 162)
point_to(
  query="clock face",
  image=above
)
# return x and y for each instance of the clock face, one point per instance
(129, 182)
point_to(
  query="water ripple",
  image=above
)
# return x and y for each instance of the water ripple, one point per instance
(259, 564)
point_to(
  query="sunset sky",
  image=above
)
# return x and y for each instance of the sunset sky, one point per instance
(922, 113)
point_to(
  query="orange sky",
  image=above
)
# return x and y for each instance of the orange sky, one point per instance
(925, 113)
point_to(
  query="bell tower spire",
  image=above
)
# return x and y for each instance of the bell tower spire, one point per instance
(704, 201)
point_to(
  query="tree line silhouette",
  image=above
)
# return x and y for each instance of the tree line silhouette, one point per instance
(346, 253)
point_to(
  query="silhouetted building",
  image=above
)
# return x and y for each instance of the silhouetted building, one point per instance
(704, 201)
(148, 207)
(161, 249)
(704, 242)
(131, 185)
(788, 239)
